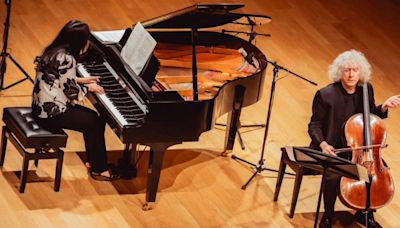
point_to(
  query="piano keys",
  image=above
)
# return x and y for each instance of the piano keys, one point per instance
(121, 102)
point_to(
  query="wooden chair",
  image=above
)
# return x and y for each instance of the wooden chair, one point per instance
(300, 172)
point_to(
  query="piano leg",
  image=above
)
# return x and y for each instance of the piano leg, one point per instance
(154, 170)
(127, 165)
(232, 124)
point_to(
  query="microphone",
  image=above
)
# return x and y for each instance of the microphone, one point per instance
(248, 57)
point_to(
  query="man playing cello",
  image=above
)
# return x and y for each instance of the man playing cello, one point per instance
(332, 106)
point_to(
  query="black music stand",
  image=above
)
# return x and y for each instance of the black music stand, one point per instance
(325, 163)
(4, 54)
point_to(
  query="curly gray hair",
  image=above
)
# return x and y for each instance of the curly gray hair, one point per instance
(350, 58)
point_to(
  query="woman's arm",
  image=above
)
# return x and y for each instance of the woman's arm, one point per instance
(88, 80)
(68, 79)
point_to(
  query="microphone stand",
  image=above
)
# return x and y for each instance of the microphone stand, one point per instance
(252, 35)
(260, 166)
(4, 54)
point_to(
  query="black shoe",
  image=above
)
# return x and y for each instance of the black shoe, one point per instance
(360, 218)
(372, 223)
(325, 223)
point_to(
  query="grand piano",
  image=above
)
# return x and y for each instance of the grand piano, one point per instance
(152, 108)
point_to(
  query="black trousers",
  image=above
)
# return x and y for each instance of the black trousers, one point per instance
(88, 122)
(331, 188)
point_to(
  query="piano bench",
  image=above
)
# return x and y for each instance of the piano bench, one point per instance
(24, 133)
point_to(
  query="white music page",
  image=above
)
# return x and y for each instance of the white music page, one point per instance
(112, 36)
(138, 48)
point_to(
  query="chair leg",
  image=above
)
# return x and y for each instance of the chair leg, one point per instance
(281, 173)
(24, 173)
(3, 145)
(57, 181)
(296, 190)
(36, 161)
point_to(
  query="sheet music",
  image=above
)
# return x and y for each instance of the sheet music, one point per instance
(138, 48)
(113, 36)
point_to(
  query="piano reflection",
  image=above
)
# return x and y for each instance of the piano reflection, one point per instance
(193, 77)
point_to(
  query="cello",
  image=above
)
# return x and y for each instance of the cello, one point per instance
(363, 139)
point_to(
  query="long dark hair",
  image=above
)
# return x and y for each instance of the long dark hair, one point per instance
(72, 37)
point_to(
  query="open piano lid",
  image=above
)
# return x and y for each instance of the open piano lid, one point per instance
(197, 16)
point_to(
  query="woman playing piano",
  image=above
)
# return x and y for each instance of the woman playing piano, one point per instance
(57, 89)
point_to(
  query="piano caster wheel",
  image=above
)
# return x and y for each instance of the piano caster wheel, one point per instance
(225, 153)
(147, 206)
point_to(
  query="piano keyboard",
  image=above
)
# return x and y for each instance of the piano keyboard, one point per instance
(120, 101)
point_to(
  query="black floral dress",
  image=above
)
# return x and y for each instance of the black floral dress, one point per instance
(56, 89)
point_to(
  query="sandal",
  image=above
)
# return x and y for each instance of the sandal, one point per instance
(100, 177)
(110, 166)
(88, 167)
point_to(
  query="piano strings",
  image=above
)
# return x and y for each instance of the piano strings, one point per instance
(216, 65)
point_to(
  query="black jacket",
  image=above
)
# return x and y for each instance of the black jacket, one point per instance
(332, 107)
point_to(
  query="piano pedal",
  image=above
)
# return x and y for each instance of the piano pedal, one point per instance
(126, 170)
